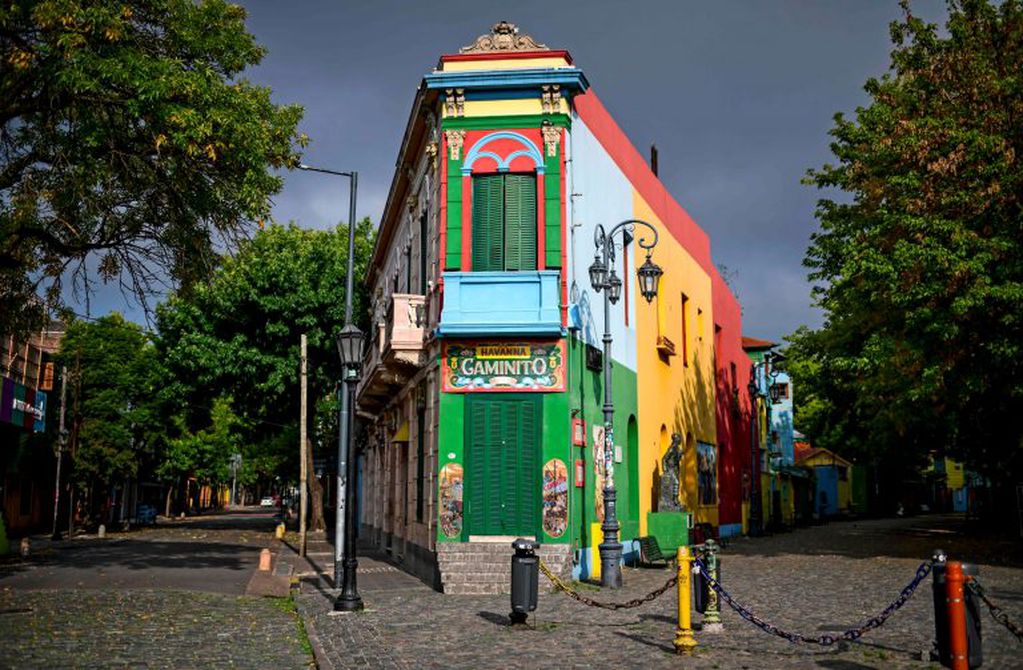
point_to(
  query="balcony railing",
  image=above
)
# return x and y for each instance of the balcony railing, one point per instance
(395, 353)
(501, 303)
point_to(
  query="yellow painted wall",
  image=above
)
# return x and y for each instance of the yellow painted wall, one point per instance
(510, 64)
(506, 107)
(677, 396)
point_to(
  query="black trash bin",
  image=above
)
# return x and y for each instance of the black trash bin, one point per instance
(525, 579)
(701, 590)
(974, 654)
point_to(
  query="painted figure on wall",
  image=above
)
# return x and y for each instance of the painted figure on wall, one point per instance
(707, 473)
(451, 478)
(670, 476)
(555, 497)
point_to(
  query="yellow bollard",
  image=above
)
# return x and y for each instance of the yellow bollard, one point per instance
(685, 643)
(279, 531)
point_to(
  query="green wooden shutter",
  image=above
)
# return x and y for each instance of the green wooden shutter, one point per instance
(520, 222)
(528, 497)
(476, 467)
(487, 215)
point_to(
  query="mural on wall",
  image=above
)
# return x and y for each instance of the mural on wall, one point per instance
(555, 497)
(451, 479)
(707, 473)
(504, 366)
(599, 470)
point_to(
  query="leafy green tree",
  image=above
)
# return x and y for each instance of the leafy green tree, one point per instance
(205, 454)
(919, 266)
(112, 392)
(239, 333)
(130, 137)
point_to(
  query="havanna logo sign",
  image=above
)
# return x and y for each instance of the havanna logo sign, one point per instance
(504, 366)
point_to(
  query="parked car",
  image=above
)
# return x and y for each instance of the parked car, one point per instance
(145, 515)
(267, 501)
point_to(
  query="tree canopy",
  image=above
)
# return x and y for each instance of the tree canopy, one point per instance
(238, 335)
(919, 264)
(129, 139)
(112, 398)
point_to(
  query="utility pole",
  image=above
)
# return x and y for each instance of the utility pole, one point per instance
(75, 425)
(303, 470)
(61, 443)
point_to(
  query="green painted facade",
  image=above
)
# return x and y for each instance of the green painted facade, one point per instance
(451, 441)
(586, 392)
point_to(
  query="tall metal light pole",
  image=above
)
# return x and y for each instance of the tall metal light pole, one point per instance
(349, 344)
(604, 278)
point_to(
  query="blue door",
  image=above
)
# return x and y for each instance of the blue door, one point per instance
(827, 490)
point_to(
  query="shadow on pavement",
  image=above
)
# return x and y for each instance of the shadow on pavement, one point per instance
(495, 618)
(908, 537)
(142, 555)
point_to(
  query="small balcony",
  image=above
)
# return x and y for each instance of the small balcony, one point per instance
(501, 304)
(396, 352)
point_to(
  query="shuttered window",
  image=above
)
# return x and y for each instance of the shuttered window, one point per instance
(503, 439)
(504, 222)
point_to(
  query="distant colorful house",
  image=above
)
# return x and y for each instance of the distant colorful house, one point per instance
(951, 491)
(483, 388)
(833, 476)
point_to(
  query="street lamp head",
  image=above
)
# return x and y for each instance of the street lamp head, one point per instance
(614, 287)
(649, 277)
(598, 274)
(775, 393)
(349, 346)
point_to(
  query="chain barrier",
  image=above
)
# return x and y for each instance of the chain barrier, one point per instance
(823, 640)
(560, 585)
(997, 613)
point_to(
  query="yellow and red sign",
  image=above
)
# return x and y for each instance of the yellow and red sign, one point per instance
(471, 367)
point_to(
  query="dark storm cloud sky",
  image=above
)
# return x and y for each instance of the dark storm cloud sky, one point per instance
(738, 97)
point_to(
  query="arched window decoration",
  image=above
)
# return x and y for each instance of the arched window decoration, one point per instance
(505, 171)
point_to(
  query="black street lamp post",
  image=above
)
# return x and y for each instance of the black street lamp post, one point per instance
(349, 346)
(604, 278)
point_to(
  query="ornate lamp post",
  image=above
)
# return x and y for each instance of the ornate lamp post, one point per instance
(604, 278)
(349, 347)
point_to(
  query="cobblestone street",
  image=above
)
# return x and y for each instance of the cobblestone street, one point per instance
(815, 580)
(164, 597)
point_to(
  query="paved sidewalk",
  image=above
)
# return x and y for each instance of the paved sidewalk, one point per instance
(163, 597)
(791, 579)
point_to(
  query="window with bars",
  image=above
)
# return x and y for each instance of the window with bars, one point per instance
(504, 222)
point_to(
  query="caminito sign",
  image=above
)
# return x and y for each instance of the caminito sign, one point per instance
(504, 366)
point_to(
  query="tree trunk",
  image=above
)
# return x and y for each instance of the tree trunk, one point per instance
(315, 493)
(167, 503)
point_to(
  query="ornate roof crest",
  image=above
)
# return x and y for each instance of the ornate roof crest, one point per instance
(503, 36)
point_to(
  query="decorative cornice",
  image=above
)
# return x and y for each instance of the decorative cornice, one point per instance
(551, 137)
(431, 153)
(503, 36)
(455, 139)
(550, 98)
(570, 79)
(454, 102)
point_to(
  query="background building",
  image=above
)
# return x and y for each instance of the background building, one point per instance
(29, 398)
